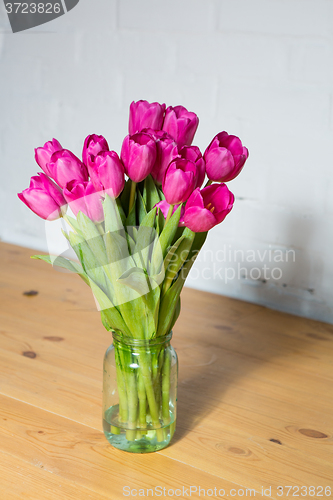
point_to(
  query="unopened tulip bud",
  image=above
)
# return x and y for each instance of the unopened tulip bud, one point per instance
(145, 115)
(43, 155)
(181, 125)
(225, 157)
(83, 197)
(138, 154)
(44, 198)
(65, 166)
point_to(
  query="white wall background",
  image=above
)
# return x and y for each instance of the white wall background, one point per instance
(260, 69)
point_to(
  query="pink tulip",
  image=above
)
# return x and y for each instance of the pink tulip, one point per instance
(43, 155)
(65, 166)
(225, 157)
(208, 207)
(107, 173)
(93, 145)
(83, 197)
(44, 198)
(193, 153)
(156, 134)
(138, 154)
(179, 181)
(164, 207)
(181, 125)
(143, 115)
(166, 151)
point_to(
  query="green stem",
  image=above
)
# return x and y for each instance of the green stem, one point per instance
(132, 196)
(132, 405)
(131, 400)
(145, 364)
(169, 214)
(157, 377)
(142, 401)
(166, 387)
(123, 406)
(208, 183)
(132, 395)
(100, 227)
(167, 283)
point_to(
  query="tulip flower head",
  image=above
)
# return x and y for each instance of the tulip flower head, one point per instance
(83, 197)
(179, 181)
(93, 145)
(145, 115)
(44, 198)
(157, 134)
(181, 125)
(64, 166)
(138, 154)
(225, 157)
(166, 151)
(43, 155)
(208, 207)
(193, 153)
(108, 174)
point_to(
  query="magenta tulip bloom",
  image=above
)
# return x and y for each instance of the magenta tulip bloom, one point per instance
(138, 154)
(225, 157)
(108, 174)
(156, 134)
(179, 181)
(145, 115)
(181, 125)
(65, 166)
(83, 197)
(93, 145)
(44, 198)
(193, 153)
(43, 155)
(166, 151)
(164, 207)
(208, 207)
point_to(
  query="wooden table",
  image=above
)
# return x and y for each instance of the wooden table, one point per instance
(255, 398)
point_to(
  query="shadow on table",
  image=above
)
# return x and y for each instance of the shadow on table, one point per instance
(231, 352)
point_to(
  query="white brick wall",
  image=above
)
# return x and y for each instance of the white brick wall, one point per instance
(261, 69)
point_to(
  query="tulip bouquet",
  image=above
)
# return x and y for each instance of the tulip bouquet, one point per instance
(140, 221)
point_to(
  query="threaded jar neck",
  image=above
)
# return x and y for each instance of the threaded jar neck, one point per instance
(120, 339)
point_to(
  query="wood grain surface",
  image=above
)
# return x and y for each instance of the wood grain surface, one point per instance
(255, 399)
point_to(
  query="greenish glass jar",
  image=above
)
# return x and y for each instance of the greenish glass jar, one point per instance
(140, 393)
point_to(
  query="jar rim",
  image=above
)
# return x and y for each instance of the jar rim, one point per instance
(123, 339)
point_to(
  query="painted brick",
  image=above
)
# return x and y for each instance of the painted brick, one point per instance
(309, 62)
(274, 108)
(276, 17)
(233, 57)
(173, 15)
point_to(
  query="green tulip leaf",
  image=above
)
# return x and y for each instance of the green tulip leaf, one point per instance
(112, 216)
(136, 279)
(125, 196)
(141, 207)
(150, 193)
(73, 224)
(178, 258)
(165, 240)
(93, 238)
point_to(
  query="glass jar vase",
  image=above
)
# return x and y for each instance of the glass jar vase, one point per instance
(140, 393)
